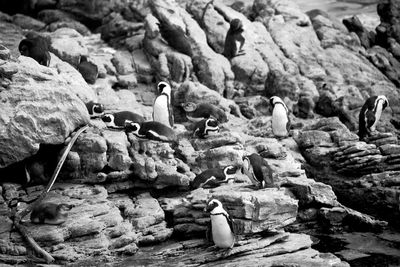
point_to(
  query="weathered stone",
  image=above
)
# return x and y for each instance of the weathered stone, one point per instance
(48, 111)
(213, 70)
(68, 45)
(29, 23)
(117, 144)
(123, 63)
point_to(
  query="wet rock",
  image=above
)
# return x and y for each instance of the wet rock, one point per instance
(48, 111)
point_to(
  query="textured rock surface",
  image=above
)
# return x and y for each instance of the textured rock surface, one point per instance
(138, 193)
(38, 107)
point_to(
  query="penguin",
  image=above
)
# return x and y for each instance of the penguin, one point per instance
(35, 46)
(221, 230)
(280, 117)
(50, 213)
(214, 177)
(95, 109)
(151, 130)
(162, 110)
(117, 120)
(370, 114)
(205, 128)
(197, 111)
(88, 70)
(234, 40)
(254, 167)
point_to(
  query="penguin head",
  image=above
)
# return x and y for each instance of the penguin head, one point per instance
(246, 164)
(236, 25)
(108, 118)
(212, 124)
(132, 127)
(383, 98)
(97, 109)
(213, 204)
(189, 106)
(164, 88)
(83, 59)
(230, 172)
(277, 100)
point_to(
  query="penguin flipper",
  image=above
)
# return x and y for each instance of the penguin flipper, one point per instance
(231, 223)
(171, 116)
(370, 118)
(288, 125)
(209, 233)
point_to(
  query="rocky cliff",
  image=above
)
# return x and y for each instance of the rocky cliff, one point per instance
(129, 193)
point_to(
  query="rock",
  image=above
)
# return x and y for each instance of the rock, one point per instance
(68, 45)
(122, 61)
(117, 144)
(114, 26)
(4, 53)
(73, 79)
(213, 70)
(28, 23)
(354, 24)
(79, 27)
(49, 16)
(48, 111)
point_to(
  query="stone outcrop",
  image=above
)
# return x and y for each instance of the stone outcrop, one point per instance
(129, 192)
(38, 107)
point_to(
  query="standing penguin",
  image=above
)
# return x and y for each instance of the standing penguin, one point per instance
(94, 109)
(214, 177)
(205, 128)
(117, 120)
(35, 46)
(152, 130)
(254, 166)
(88, 70)
(162, 110)
(221, 231)
(370, 114)
(198, 111)
(280, 117)
(234, 39)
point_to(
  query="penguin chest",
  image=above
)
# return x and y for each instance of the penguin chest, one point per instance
(279, 121)
(161, 110)
(378, 114)
(250, 173)
(221, 232)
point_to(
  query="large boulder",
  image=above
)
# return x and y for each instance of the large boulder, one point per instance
(38, 107)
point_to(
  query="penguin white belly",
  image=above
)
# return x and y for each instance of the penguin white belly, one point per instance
(160, 111)
(221, 232)
(377, 116)
(279, 121)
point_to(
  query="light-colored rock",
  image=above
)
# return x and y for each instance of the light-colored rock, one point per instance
(68, 45)
(46, 114)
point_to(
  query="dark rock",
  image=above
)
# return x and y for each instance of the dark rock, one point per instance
(354, 24)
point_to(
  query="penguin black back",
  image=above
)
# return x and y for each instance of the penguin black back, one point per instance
(233, 37)
(88, 70)
(214, 177)
(94, 109)
(370, 114)
(205, 127)
(35, 46)
(151, 130)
